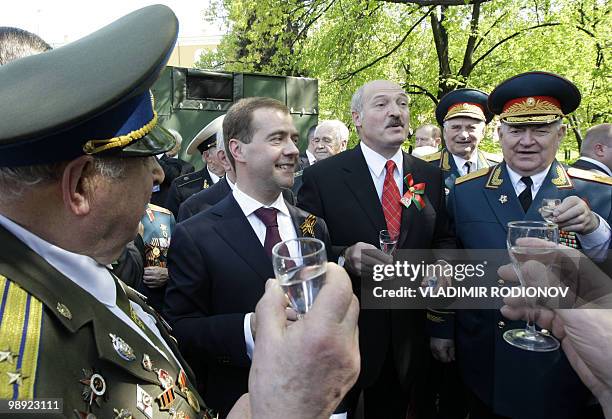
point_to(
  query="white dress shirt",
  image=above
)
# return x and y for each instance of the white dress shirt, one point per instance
(460, 162)
(597, 240)
(213, 177)
(378, 170)
(286, 230)
(311, 158)
(89, 275)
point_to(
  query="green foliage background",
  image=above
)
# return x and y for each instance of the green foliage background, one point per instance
(345, 43)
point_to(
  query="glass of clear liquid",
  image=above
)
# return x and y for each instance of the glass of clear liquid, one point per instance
(522, 248)
(388, 241)
(299, 266)
(547, 208)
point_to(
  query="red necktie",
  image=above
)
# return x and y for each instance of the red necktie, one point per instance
(392, 207)
(268, 217)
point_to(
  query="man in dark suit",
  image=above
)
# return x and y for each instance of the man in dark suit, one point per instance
(205, 142)
(307, 158)
(596, 150)
(358, 193)
(220, 259)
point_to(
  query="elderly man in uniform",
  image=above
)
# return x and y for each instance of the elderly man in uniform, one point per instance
(463, 116)
(531, 107)
(596, 150)
(69, 329)
(205, 142)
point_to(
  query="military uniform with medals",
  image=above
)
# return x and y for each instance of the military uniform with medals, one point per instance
(509, 381)
(69, 328)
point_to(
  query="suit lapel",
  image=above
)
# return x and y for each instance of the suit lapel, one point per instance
(359, 181)
(411, 216)
(234, 228)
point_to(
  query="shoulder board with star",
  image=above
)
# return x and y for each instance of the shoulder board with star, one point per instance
(432, 157)
(493, 157)
(159, 209)
(20, 334)
(588, 175)
(472, 175)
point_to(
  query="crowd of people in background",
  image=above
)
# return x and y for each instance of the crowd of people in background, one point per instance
(172, 311)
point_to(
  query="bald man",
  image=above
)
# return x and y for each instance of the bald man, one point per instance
(596, 150)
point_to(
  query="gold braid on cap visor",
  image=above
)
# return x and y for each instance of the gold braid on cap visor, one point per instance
(97, 146)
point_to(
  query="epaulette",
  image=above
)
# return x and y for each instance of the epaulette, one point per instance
(473, 175)
(159, 209)
(298, 173)
(588, 175)
(20, 331)
(432, 157)
(497, 158)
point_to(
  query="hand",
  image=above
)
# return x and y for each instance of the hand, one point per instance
(290, 313)
(304, 371)
(573, 214)
(442, 349)
(241, 409)
(356, 262)
(155, 276)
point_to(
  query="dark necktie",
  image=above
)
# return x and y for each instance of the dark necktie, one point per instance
(468, 167)
(525, 196)
(268, 217)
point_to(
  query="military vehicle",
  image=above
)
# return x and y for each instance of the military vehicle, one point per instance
(186, 99)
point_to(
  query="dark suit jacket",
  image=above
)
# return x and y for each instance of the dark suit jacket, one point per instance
(587, 165)
(218, 269)
(341, 191)
(206, 198)
(58, 329)
(185, 186)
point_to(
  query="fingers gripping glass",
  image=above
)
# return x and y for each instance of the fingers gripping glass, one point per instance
(523, 248)
(299, 266)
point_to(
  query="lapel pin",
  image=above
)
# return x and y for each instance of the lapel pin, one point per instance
(122, 414)
(144, 402)
(64, 311)
(503, 199)
(124, 350)
(147, 364)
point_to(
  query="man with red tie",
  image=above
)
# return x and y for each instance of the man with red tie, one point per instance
(219, 260)
(358, 194)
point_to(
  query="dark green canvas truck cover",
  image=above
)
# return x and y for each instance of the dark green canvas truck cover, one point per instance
(186, 99)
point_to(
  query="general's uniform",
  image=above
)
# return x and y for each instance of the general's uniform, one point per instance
(69, 329)
(481, 204)
(505, 380)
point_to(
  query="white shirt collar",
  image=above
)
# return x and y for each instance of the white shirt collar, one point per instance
(460, 161)
(250, 205)
(82, 270)
(231, 184)
(311, 158)
(597, 163)
(213, 177)
(377, 163)
(537, 179)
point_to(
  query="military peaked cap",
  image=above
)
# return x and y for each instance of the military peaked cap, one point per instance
(207, 137)
(468, 103)
(90, 96)
(535, 97)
